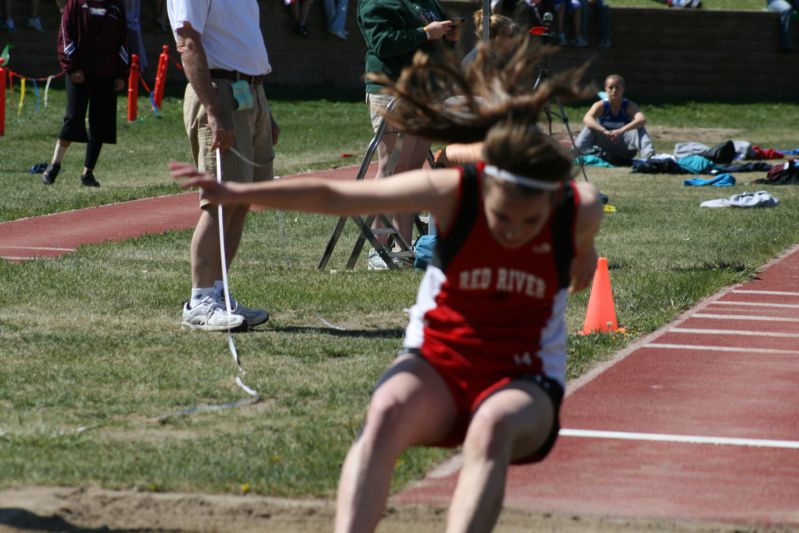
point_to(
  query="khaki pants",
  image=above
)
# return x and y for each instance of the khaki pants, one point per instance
(252, 130)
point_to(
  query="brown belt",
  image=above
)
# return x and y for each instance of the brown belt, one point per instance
(219, 74)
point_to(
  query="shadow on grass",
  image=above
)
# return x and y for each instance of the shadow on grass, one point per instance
(25, 520)
(389, 333)
(707, 267)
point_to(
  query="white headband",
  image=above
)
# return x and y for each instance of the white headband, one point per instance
(524, 181)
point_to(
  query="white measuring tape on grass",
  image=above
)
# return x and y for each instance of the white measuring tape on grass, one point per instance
(226, 288)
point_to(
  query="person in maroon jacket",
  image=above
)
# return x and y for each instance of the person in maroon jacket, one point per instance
(92, 50)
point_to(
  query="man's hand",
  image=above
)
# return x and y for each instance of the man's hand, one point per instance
(77, 76)
(455, 32)
(119, 84)
(438, 29)
(222, 131)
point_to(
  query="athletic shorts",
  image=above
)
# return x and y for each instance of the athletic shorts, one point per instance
(470, 388)
(252, 131)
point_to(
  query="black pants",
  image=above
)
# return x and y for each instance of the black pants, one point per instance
(97, 96)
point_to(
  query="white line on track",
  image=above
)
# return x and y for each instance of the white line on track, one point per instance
(15, 258)
(717, 348)
(690, 439)
(747, 317)
(734, 332)
(756, 304)
(47, 248)
(775, 293)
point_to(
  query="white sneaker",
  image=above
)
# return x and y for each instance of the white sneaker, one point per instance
(209, 316)
(374, 261)
(252, 315)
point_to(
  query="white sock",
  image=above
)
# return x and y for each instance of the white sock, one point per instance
(198, 294)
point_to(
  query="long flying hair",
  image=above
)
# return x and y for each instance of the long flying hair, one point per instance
(491, 100)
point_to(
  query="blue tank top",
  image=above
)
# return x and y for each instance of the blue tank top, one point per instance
(610, 121)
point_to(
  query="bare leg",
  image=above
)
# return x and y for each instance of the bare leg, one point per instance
(511, 424)
(412, 156)
(384, 150)
(61, 147)
(412, 405)
(206, 265)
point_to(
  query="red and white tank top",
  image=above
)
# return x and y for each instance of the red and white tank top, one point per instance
(489, 308)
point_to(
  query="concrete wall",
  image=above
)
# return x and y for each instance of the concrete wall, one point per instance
(663, 53)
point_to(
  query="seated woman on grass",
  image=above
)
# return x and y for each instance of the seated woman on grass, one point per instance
(614, 127)
(484, 355)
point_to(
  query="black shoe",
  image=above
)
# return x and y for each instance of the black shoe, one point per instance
(87, 180)
(50, 173)
(302, 29)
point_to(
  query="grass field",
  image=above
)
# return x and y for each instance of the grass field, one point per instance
(92, 339)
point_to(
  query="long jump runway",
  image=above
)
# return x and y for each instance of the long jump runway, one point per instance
(698, 421)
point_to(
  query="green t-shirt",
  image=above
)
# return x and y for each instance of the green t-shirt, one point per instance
(393, 31)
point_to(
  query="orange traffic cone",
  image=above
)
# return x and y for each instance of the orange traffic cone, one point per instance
(601, 315)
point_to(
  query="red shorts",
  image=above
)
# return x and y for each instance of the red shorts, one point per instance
(470, 388)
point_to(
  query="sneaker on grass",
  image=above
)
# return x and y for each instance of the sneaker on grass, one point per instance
(88, 180)
(50, 173)
(252, 315)
(209, 316)
(375, 262)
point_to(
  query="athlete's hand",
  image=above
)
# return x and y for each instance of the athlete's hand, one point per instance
(77, 77)
(189, 177)
(119, 84)
(614, 135)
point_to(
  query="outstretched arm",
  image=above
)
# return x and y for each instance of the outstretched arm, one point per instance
(589, 218)
(409, 192)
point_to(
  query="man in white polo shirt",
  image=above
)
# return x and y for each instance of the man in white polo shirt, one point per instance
(225, 61)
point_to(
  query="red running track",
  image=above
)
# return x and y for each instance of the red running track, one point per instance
(725, 374)
(60, 233)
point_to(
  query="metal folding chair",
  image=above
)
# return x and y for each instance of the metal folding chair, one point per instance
(367, 232)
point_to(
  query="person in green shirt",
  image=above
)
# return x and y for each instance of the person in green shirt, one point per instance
(394, 30)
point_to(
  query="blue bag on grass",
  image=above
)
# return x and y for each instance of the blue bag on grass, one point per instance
(424, 251)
